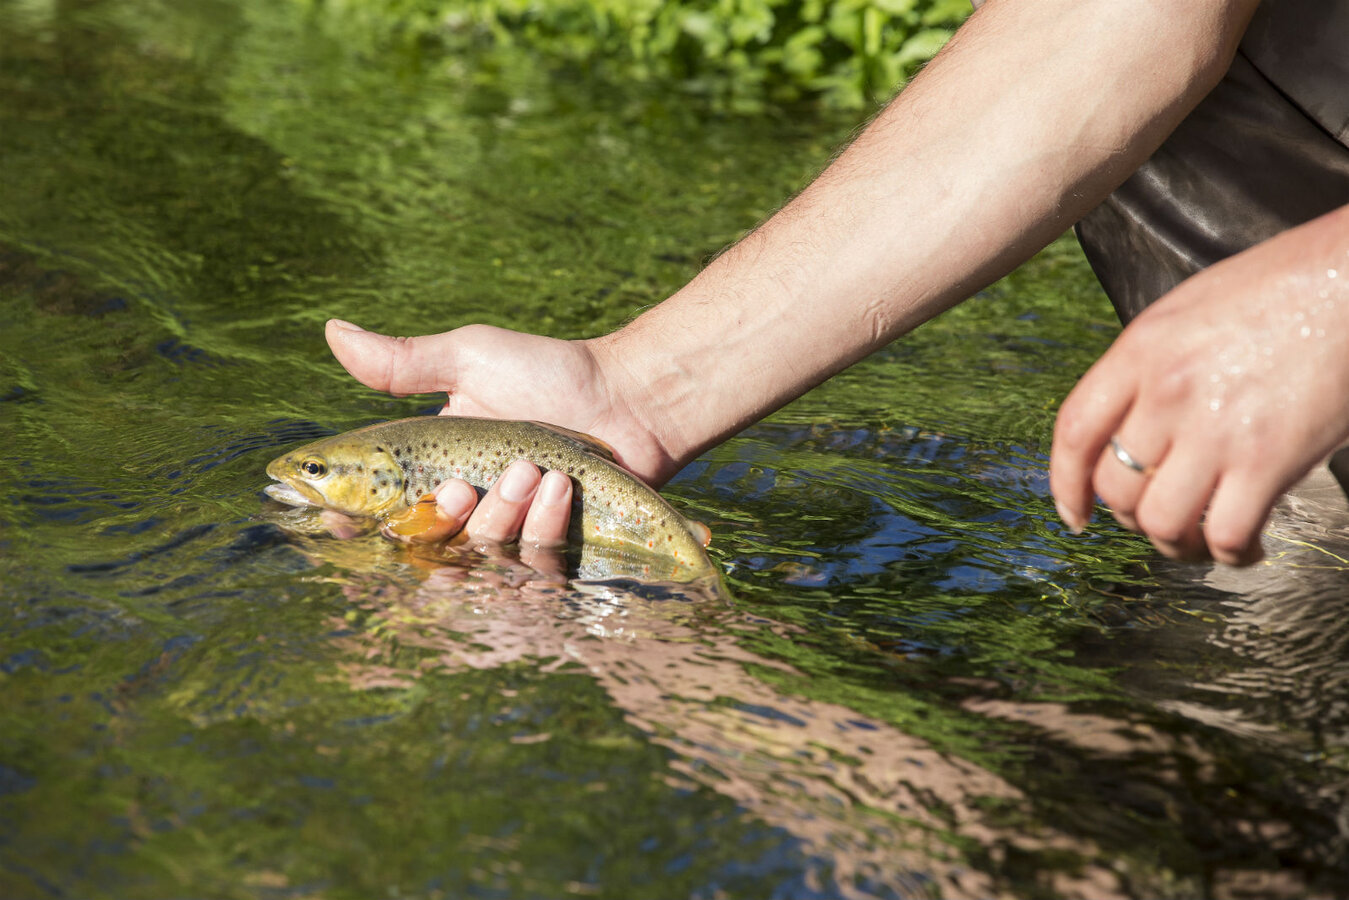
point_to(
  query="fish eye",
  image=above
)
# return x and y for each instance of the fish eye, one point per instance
(314, 468)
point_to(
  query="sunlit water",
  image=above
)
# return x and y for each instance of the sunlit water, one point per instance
(915, 684)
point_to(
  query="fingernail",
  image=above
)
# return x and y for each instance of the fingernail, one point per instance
(1074, 525)
(455, 499)
(519, 482)
(344, 325)
(553, 488)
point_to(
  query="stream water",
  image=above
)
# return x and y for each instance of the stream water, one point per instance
(917, 683)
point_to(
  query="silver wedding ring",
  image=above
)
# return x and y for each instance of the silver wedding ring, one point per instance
(1127, 458)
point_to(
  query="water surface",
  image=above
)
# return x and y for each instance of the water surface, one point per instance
(919, 684)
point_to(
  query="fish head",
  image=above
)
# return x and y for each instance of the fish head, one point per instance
(350, 477)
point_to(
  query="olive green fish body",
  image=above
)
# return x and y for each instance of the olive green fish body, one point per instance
(382, 469)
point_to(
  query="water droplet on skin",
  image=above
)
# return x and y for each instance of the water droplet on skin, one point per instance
(1332, 273)
(1305, 331)
(1245, 420)
(1215, 404)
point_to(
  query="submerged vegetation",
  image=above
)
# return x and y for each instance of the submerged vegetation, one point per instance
(741, 54)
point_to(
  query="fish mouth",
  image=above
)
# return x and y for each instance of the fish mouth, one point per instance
(287, 490)
(289, 494)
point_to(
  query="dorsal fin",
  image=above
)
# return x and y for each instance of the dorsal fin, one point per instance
(593, 444)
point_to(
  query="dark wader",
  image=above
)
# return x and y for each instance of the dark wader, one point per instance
(1268, 149)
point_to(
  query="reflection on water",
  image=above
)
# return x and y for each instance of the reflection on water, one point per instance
(1287, 622)
(915, 683)
(877, 810)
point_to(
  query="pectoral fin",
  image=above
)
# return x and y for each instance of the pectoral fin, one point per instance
(420, 523)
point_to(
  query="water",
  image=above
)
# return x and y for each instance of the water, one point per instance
(919, 684)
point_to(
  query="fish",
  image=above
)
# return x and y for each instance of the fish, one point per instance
(384, 470)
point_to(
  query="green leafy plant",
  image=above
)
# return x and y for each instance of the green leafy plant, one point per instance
(742, 54)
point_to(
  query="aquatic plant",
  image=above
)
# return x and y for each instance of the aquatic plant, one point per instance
(742, 54)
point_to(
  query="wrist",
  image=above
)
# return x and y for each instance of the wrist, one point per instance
(651, 430)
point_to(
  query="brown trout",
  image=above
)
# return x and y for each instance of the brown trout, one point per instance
(384, 469)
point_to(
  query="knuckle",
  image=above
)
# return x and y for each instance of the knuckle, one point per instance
(400, 361)
(1175, 383)
(1072, 429)
(1162, 526)
(1230, 543)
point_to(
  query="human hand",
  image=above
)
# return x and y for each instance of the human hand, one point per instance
(1228, 390)
(523, 504)
(496, 373)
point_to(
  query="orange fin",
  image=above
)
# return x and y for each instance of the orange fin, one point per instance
(419, 522)
(700, 531)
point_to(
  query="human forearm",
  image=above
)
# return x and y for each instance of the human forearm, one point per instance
(1033, 113)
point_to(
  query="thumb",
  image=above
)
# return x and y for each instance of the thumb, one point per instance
(396, 365)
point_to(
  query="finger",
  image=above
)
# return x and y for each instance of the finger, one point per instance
(1173, 503)
(502, 510)
(1121, 485)
(1089, 416)
(395, 365)
(1121, 501)
(550, 514)
(1241, 506)
(455, 501)
(341, 526)
(549, 562)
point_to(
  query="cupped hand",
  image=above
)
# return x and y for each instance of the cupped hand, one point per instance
(497, 373)
(523, 504)
(1226, 391)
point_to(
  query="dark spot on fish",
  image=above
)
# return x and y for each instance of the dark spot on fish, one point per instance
(379, 449)
(582, 472)
(419, 492)
(372, 490)
(435, 445)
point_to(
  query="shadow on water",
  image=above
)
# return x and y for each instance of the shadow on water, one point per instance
(918, 684)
